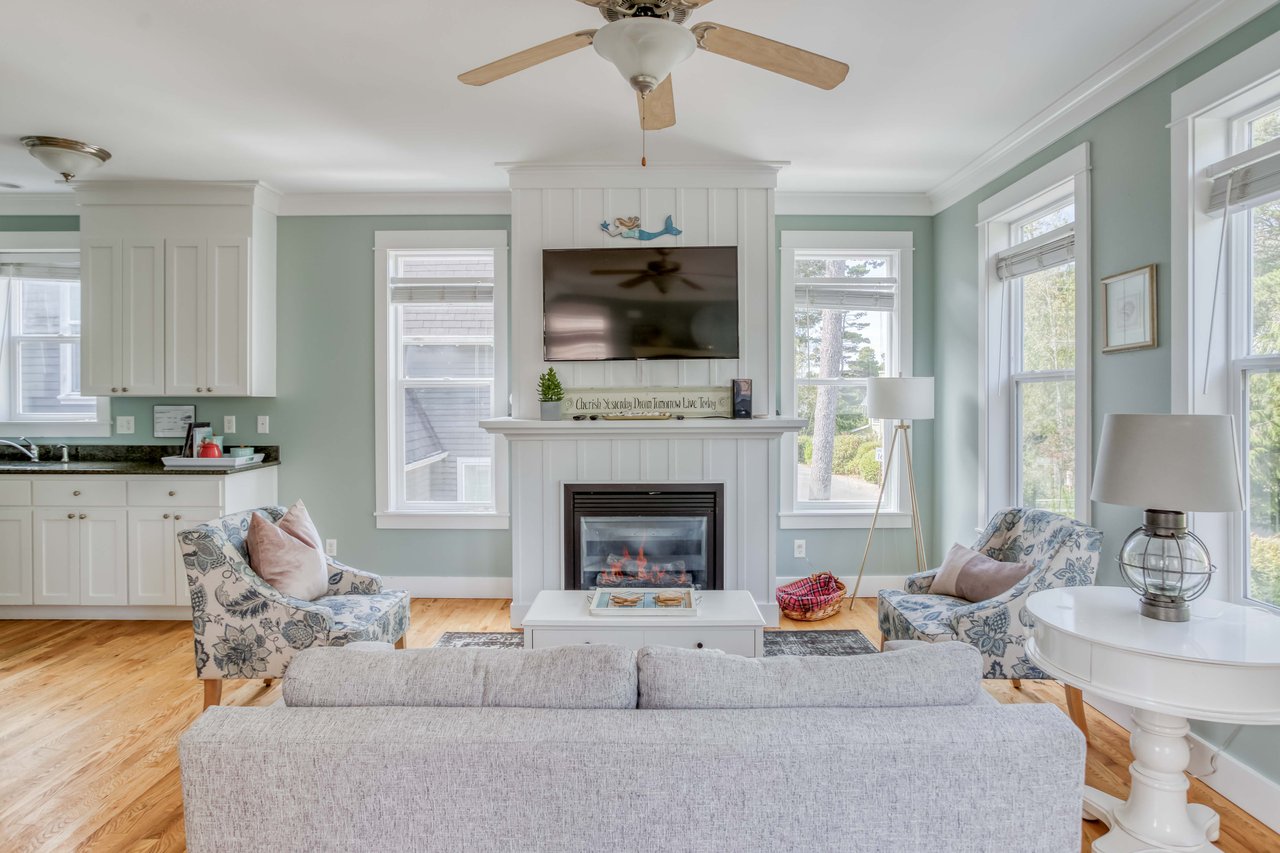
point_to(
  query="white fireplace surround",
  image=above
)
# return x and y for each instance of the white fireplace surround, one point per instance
(557, 206)
(546, 456)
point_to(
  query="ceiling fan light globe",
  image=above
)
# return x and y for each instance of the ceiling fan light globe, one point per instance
(644, 50)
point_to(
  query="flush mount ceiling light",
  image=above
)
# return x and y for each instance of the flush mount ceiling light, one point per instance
(644, 50)
(67, 157)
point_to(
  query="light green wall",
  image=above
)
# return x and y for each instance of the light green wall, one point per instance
(322, 417)
(1130, 187)
(892, 552)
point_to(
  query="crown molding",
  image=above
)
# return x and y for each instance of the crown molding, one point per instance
(851, 204)
(1178, 39)
(178, 193)
(38, 204)
(739, 174)
(396, 203)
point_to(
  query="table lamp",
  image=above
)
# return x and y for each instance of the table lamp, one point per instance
(1188, 462)
(902, 399)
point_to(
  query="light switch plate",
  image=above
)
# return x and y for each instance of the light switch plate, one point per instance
(331, 547)
(264, 424)
(124, 424)
(228, 424)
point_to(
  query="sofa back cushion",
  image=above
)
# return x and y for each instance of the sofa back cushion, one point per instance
(587, 676)
(935, 674)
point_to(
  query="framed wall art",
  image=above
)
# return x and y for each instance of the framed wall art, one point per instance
(1129, 310)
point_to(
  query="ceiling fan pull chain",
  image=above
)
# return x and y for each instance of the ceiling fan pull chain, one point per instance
(644, 147)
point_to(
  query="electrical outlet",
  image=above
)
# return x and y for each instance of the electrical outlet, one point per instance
(228, 424)
(124, 424)
(264, 424)
(799, 548)
(331, 547)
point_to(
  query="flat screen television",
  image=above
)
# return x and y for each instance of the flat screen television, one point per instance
(640, 303)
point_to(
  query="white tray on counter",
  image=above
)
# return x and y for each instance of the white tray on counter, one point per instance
(218, 462)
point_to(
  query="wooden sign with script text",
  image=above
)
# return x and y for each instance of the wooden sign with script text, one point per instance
(701, 402)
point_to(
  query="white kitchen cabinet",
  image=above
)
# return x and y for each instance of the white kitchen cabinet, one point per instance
(156, 572)
(15, 556)
(178, 289)
(96, 542)
(80, 556)
(122, 314)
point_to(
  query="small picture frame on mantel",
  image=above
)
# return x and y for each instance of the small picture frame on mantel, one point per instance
(1129, 310)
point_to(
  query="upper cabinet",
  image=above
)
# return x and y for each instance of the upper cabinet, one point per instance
(178, 289)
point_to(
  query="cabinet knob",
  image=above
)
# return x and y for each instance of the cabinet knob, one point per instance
(166, 515)
(71, 515)
(82, 515)
(699, 645)
(124, 389)
(115, 390)
(177, 518)
(76, 493)
(172, 493)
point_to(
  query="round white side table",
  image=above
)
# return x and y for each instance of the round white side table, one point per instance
(1222, 666)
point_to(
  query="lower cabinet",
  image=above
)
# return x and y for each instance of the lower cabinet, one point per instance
(15, 556)
(80, 556)
(156, 572)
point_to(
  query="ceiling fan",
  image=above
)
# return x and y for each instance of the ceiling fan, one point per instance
(646, 39)
(660, 273)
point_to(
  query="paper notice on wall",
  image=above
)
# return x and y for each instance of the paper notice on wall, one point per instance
(700, 402)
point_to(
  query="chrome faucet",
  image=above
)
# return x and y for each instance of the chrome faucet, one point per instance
(32, 451)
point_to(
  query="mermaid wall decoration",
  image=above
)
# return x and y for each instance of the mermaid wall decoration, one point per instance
(629, 227)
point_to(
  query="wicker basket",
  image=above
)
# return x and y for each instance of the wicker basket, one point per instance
(810, 599)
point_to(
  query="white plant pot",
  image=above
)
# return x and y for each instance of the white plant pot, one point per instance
(551, 409)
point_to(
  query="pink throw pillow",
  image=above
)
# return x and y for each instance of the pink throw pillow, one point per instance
(297, 523)
(968, 574)
(287, 563)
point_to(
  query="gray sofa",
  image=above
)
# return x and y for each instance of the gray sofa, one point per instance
(598, 748)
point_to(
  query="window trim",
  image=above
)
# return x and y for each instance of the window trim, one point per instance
(1202, 133)
(900, 242)
(1065, 177)
(387, 514)
(54, 242)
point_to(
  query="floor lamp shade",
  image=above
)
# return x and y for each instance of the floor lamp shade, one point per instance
(900, 398)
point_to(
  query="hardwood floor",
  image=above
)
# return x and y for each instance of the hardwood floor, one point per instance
(90, 713)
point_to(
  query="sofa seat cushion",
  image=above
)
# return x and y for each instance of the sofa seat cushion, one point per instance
(946, 674)
(586, 676)
(904, 616)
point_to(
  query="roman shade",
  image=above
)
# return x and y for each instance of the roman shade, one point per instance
(1049, 250)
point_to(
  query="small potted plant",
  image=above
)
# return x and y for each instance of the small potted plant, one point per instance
(551, 394)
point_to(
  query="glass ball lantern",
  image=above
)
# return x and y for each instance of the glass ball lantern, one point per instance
(1166, 564)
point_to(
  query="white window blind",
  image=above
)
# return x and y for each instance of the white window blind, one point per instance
(1254, 177)
(40, 266)
(443, 276)
(1053, 249)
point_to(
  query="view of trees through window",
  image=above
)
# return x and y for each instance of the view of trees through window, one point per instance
(1043, 373)
(1262, 383)
(836, 351)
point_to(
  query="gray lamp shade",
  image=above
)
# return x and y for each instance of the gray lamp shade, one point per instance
(900, 398)
(1173, 462)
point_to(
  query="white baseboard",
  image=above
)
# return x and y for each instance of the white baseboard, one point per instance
(1235, 780)
(427, 586)
(147, 613)
(871, 584)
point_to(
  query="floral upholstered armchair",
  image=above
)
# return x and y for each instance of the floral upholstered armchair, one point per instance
(1062, 552)
(245, 628)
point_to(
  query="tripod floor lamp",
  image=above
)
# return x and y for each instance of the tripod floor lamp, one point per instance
(902, 399)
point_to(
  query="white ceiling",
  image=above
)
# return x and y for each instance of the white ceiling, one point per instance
(361, 95)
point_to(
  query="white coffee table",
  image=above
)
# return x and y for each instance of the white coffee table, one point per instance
(727, 620)
(1223, 666)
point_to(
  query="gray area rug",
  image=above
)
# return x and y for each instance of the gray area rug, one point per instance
(828, 643)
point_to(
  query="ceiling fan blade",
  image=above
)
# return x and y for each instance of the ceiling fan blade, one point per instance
(619, 272)
(771, 55)
(658, 109)
(527, 58)
(635, 282)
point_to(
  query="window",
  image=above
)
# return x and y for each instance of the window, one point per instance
(442, 298)
(40, 341)
(846, 309)
(1035, 353)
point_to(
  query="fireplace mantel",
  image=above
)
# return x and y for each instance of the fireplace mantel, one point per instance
(519, 429)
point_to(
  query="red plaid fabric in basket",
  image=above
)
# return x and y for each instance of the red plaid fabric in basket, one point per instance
(809, 593)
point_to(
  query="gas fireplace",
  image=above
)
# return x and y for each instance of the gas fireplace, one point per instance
(644, 535)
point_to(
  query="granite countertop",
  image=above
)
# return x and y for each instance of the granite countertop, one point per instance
(119, 459)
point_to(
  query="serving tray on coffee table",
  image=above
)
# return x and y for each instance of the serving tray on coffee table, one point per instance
(608, 602)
